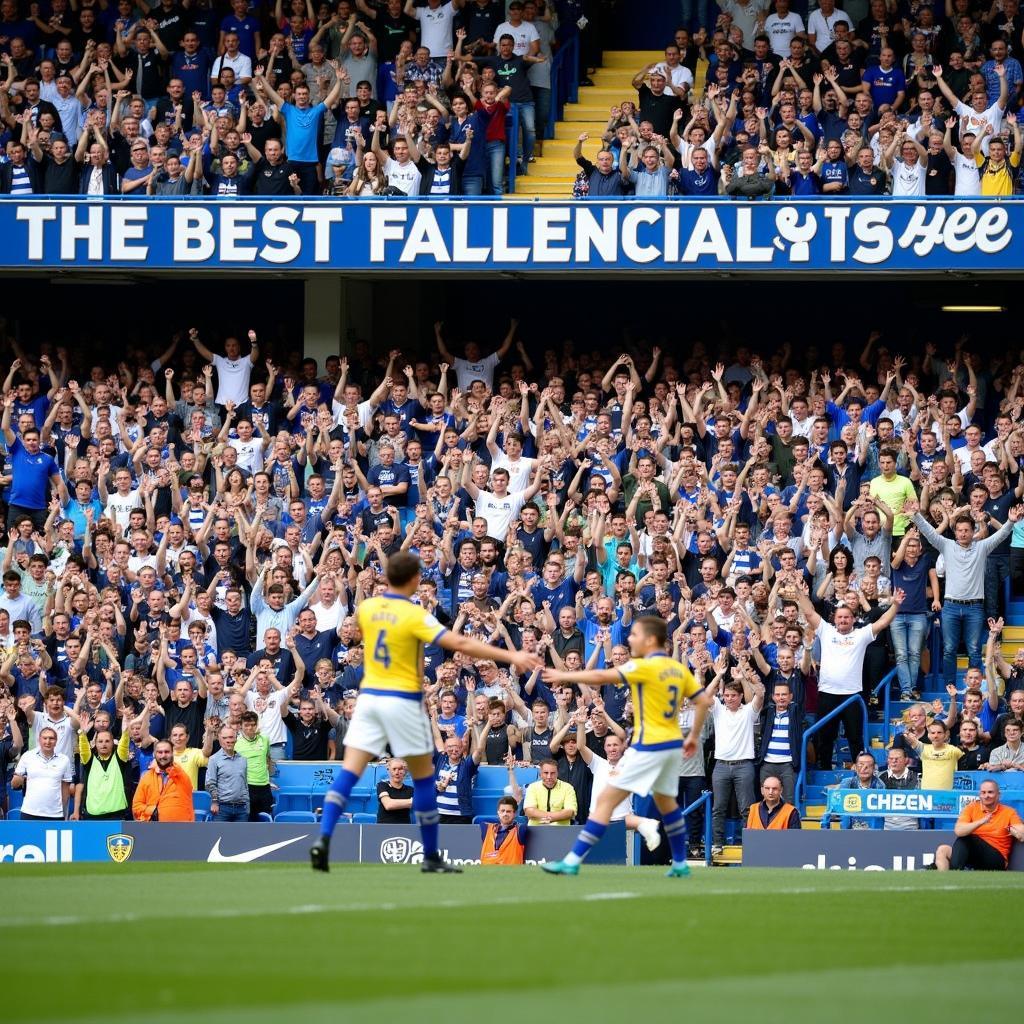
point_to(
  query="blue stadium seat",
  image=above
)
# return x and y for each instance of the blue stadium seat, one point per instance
(299, 817)
(14, 814)
(200, 801)
(263, 816)
(363, 818)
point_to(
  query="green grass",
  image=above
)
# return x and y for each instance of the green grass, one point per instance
(234, 943)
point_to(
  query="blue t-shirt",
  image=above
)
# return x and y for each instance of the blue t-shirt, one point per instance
(835, 171)
(31, 475)
(884, 85)
(303, 131)
(246, 29)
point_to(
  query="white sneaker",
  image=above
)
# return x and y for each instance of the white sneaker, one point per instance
(648, 828)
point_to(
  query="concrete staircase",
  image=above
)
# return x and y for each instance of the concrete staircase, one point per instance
(553, 173)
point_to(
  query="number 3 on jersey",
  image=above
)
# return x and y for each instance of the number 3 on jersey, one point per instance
(380, 649)
(673, 702)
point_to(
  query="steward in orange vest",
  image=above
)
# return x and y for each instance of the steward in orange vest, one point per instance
(771, 812)
(504, 843)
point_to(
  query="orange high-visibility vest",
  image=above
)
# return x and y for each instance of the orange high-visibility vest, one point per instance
(511, 851)
(778, 824)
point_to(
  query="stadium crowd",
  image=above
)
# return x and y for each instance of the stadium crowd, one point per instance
(908, 99)
(344, 98)
(190, 531)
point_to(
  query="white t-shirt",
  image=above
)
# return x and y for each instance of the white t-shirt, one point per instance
(972, 121)
(436, 28)
(678, 76)
(405, 176)
(824, 28)
(240, 64)
(232, 379)
(483, 369)
(63, 727)
(524, 34)
(908, 179)
(734, 731)
(499, 512)
(43, 778)
(120, 507)
(518, 472)
(781, 30)
(842, 659)
(269, 709)
(250, 453)
(329, 618)
(365, 410)
(604, 773)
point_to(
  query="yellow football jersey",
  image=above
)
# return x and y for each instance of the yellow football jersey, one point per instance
(657, 686)
(394, 632)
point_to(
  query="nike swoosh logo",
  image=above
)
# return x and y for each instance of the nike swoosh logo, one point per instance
(216, 857)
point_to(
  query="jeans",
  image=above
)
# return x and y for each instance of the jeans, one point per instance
(232, 812)
(997, 569)
(37, 515)
(1017, 571)
(277, 751)
(960, 620)
(690, 789)
(908, 634)
(496, 166)
(696, 14)
(726, 779)
(852, 720)
(784, 772)
(542, 103)
(528, 122)
(472, 185)
(309, 180)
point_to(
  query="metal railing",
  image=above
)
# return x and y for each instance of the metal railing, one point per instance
(512, 145)
(565, 79)
(704, 800)
(801, 779)
(884, 686)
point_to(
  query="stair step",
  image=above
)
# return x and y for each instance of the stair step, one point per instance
(730, 855)
(634, 59)
(528, 188)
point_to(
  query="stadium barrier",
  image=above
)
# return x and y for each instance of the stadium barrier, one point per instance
(38, 842)
(851, 850)
(560, 236)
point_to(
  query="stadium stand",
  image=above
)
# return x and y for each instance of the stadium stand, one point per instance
(489, 98)
(191, 527)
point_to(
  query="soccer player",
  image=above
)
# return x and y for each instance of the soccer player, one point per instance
(389, 711)
(657, 685)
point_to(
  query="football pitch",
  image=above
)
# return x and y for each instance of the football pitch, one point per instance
(241, 943)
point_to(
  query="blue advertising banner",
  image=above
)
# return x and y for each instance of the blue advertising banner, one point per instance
(562, 237)
(31, 842)
(851, 850)
(908, 803)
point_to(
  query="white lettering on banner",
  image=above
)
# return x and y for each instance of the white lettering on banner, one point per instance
(549, 226)
(503, 252)
(127, 224)
(799, 236)
(462, 251)
(58, 847)
(899, 863)
(869, 228)
(193, 234)
(425, 239)
(36, 216)
(746, 251)
(91, 232)
(236, 227)
(322, 218)
(707, 239)
(386, 225)
(582, 235)
(276, 227)
(837, 216)
(631, 247)
(603, 236)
